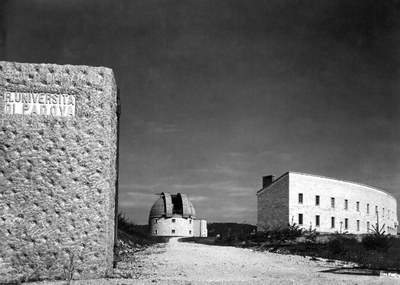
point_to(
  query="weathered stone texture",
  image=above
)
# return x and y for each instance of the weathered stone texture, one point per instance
(58, 174)
(273, 205)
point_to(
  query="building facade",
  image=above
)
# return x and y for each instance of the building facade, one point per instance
(200, 228)
(174, 215)
(325, 204)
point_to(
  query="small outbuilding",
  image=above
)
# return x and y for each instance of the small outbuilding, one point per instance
(174, 215)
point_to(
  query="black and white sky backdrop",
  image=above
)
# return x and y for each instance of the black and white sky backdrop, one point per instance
(217, 93)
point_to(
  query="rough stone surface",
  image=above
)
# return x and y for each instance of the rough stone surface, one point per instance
(58, 174)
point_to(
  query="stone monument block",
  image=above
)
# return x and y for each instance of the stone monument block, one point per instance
(58, 170)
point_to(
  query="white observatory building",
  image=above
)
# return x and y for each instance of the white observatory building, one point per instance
(174, 215)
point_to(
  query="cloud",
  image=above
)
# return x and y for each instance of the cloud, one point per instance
(143, 127)
(161, 128)
(199, 198)
(225, 169)
(141, 188)
(226, 186)
(136, 199)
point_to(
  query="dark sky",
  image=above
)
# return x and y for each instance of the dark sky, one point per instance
(216, 94)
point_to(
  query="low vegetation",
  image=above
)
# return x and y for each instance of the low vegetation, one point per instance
(133, 238)
(378, 250)
(135, 234)
(226, 229)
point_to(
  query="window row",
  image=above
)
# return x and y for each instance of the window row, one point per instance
(172, 232)
(172, 221)
(333, 222)
(346, 205)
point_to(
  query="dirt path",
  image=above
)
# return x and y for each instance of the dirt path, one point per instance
(189, 263)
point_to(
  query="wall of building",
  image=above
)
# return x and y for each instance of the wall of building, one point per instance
(310, 186)
(174, 226)
(200, 228)
(273, 205)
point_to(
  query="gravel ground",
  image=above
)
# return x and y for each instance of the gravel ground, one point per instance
(189, 263)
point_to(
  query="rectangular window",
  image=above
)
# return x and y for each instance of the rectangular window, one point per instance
(317, 220)
(367, 226)
(358, 225)
(190, 221)
(190, 232)
(332, 202)
(358, 206)
(300, 198)
(155, 221)
(367, 208)
(173, 220)
(332, 222)
(346, 223)
(155, 231)
(346, 204)
(173, 231)
(317, 200)
(300, 219)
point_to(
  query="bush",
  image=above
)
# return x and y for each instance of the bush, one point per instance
(291, 233)
(341, 247)
(311, 235)
(135, 234)
(378, 240)
(276, 236)
(225, 229)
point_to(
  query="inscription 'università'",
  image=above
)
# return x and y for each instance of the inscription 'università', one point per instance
(31, 103)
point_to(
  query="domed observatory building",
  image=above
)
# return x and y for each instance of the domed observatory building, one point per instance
(174, 215)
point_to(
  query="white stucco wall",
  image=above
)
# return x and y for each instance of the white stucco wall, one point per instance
(164, 227)
(200, 228)
(327, 188)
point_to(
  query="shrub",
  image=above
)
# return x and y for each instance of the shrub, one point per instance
(258, 237)
(231, 239)
(340, 244)
(135, 234)
(311, 235)
(292, 232)
(277, 235)
(377, 240)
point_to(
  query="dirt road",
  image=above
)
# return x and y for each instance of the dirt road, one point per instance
(189, 263)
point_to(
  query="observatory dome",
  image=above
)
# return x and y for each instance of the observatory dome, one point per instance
(174, 215)
(168, 205)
